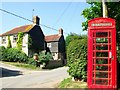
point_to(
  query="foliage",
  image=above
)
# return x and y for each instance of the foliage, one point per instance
(71, 37)
(30, 42)
(68, 83)
(44, 57)
(95, 10)
(2, 52)
(26, 66)
(9, 43)
(14, 55)
(22, 65)
(118, 55)
(31, 61)
(77, 58)
(19, 40)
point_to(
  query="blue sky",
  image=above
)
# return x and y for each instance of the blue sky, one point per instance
(66, 15)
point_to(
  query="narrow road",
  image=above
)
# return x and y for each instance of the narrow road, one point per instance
(17, 78)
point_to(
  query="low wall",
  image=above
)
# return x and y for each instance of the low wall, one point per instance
(54, 64)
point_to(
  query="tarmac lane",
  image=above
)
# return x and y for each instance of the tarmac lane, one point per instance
(17, 78)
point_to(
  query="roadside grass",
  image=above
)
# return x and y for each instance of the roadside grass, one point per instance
(23, 65)
(68, 83)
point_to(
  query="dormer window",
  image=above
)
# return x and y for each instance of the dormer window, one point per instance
(15, 37)
(3, 39)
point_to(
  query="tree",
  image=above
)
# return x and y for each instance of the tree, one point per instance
(95, 10)
(92, 12)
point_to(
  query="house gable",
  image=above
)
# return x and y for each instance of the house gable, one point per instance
(37, 36)
(61, 46)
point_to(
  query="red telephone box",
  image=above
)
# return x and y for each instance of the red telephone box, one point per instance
(102, 64)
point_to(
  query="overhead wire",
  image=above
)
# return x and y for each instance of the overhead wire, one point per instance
(29, 20)
(15, 15)
(63, 12)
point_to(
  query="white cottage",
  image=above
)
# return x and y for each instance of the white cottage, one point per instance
(35, 32)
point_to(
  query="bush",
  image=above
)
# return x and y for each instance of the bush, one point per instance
(118, 55)
(31, 61)
(2, 51)
(72, 37)
(14, 55)
(77, 58)
(44, 57)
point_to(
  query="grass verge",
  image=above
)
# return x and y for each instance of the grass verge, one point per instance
(22, 65)
(68, 83)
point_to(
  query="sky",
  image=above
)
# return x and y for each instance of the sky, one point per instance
(65, 15)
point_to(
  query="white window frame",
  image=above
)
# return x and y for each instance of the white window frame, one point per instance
(15, 37)
(49, 45)
(3, 39)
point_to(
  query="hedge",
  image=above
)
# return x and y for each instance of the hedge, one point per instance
(13, 55)
(77, 58)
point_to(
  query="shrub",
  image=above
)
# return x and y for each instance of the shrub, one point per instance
(14, 55)
(2, 52)
(72, 37)
(22, 57)
(31, 61)
(44, 57)
(77, 58)
(118, 55)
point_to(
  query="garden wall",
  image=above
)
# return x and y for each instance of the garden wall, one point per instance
(54, 64)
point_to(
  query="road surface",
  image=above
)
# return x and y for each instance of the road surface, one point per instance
(18, 78)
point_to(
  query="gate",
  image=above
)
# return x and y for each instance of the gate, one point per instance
(102, 65)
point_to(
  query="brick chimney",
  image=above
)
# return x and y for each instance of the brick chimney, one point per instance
(36, 20)
(60, 31)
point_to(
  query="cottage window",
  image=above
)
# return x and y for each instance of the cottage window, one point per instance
(15, 37)
(55, 56)
(3, 40)
(49, 45)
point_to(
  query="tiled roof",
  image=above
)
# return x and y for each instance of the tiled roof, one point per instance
(50, 38)
(16, 30)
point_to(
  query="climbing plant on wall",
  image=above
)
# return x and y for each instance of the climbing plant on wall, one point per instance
(19, 40)
(30, 42)
(9, 43)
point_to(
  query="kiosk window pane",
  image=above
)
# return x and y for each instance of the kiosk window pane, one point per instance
(101, 40)
(101, 34)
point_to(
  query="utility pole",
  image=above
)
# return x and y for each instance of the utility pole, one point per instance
(105, 12)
